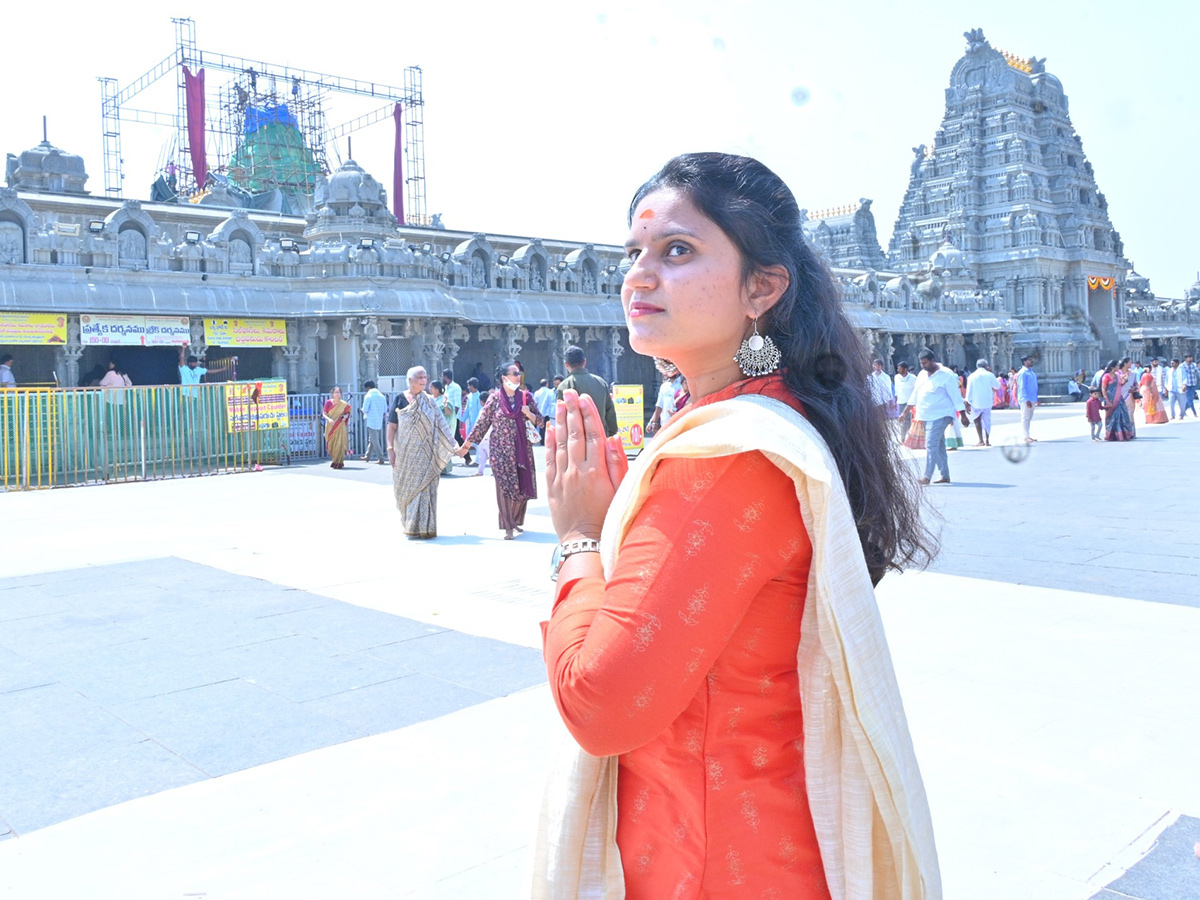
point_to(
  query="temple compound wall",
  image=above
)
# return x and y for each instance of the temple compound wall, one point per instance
(360, 297)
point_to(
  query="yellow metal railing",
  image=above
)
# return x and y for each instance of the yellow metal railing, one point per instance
(52, 437)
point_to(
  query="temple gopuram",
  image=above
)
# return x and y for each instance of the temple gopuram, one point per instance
(1003, 245)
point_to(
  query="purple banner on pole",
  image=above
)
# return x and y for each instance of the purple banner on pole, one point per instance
(194, 90)
(398, 166)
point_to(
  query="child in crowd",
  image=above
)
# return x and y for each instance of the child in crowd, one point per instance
(1092, 411)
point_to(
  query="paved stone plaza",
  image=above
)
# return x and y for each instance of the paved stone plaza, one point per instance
(252, 686)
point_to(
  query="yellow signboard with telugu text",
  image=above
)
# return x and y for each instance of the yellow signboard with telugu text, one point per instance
(245, 332)
(32, 328)
(628, 400)
(256, 405)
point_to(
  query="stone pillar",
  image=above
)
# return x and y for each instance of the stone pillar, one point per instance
(955, 344)
(615, 351)
(370, 345)
(418, 331)
(546, 334)
(868, 341)
(566, 337)
(308, 372)
(70, 353)
(887, 349)
(435, 347)
(458, 335)
(288, 356)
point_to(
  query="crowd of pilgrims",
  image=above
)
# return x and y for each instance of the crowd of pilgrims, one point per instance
(1123, 390)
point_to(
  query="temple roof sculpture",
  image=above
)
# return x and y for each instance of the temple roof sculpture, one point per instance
(350, 201)
(846, 235)
(46, 168)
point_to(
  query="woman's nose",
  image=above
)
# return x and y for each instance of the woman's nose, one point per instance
(641, 275)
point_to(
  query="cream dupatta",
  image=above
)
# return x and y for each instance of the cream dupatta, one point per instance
(864, 786)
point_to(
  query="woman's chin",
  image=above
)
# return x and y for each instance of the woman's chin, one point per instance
(646, 345)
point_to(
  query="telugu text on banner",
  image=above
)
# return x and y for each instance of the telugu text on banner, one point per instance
(256, 405)
(167, 331)
(628, 400)
(245, 332)
(32, 328)
(135, 331)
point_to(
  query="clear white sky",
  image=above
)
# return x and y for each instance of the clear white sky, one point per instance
(543, 117)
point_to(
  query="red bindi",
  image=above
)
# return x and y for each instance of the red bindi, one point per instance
(647, 214)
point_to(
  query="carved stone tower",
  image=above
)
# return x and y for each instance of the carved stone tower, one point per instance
(1006, 180)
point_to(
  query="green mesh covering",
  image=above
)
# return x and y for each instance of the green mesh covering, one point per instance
(274, 155)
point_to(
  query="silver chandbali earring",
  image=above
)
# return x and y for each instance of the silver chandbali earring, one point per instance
(758, 354)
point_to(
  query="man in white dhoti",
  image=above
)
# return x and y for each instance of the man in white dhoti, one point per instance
(981, 388)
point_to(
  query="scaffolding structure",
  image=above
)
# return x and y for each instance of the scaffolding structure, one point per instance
(265, 128)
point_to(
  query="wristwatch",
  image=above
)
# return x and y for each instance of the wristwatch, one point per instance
(570, 548)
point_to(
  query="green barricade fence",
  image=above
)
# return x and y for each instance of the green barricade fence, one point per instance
(52, 437)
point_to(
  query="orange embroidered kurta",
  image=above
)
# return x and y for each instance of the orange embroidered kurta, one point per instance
(684, 664)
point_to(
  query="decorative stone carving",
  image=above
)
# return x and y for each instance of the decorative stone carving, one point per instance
(615, 350)
(533, 260)
(196, 346)
(458, 335)
(514, 336)
(370, 345)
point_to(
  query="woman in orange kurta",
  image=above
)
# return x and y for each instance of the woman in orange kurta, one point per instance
(685, 665)
(681, 658)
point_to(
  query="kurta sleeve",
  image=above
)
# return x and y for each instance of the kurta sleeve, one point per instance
(486, 415)
(625, 658)
(532, 404)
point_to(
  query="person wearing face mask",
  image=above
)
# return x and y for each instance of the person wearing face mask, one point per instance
(511, 413)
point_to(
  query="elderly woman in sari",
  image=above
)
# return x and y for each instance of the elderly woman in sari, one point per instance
(506, 413)
(419, 444)
(336, 413)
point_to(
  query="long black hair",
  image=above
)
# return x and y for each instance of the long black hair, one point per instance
(824, 362)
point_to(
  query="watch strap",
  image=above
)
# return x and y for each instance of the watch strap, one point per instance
(580, 545)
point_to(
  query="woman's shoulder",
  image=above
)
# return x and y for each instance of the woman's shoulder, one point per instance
(746, 473)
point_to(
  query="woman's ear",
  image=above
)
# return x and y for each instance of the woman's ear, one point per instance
(765, 288)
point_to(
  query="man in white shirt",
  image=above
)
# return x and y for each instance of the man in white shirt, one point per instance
(936, 400)
(453, 392)
(664, 407)
(981, 393)
(374, 408)
(881, 384)
(904, 383)
(190, 370)
(1173, 395)
(7, 380)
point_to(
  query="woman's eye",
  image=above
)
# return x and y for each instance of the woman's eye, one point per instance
(631, 255)
(678, 250)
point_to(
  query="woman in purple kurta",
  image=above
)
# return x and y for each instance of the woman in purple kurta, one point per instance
(511, 452)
